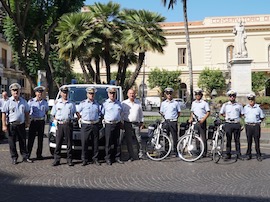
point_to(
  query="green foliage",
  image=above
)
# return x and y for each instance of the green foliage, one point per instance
(163, 79)
(210, 79)
(128, 75)
(263, 100)
(221, 99)
(258, 81)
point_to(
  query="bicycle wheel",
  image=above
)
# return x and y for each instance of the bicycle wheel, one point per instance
(190, 148)
(158, 151)
(219, 144)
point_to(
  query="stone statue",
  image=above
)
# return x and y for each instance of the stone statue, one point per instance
(240, 50)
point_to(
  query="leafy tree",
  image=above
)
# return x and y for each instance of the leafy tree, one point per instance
(210, 79)
(29, 28)
(163, 79)
(171, 3)
(259, 81)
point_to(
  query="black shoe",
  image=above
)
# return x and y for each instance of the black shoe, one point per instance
(119, 161)
(40, 158)
(14, 161)
(248, 157)
(56, 163)
(227, 157)
(259, 158)
(70, 163)
(28, 160)
(130, 159)
(108, 162)
(84, 163)
(96, 162)
(240, 157)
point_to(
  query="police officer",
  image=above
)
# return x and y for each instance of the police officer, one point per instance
(232, 111)
(201, 109)
(3, 100)
(89, 110)
(253, 117)
(38, 110)
(63, 114)
(171, 110)
(111, 110)
(133, 123)
(15, 118)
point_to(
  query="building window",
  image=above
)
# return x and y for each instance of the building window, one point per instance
(181, 56)
(4, 57)
(230, 53)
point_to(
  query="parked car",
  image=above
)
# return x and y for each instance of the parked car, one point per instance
(182, 103)
(77, 93)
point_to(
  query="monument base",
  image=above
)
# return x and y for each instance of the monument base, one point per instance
(241, 77)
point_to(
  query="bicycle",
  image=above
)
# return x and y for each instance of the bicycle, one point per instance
(218, 138)
(159, 145)
(190, 146)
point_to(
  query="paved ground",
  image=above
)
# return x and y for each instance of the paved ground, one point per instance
(137, 181)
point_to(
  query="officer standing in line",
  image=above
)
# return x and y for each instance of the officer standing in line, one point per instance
(89, 110)
(253, 118)
(171, 110)
(232, 111)
(38, 110)
(112, 110)
(63, 113)
(3, 100)
(15, 118)
(201, 109)
(133, 123)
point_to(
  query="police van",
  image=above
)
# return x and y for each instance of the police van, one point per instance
(77, 93)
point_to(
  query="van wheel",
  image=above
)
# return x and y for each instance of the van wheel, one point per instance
(52, 151)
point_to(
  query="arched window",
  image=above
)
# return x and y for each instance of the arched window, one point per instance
(230, 53)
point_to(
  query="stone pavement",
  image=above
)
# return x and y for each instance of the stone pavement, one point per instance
(139, 181)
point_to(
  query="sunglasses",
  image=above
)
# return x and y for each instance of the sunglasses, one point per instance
(250, 98)
(40, 91)
(232, 95)
(198, 94)
(113, 93)
(169, 92)
(91, 93)
(14, 89)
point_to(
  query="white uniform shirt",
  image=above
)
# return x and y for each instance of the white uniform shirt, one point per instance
(132, 111)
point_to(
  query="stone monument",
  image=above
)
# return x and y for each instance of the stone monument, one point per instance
(240, 64)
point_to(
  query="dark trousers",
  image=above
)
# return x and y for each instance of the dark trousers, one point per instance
(112, 137)
(253, 131)
(89, 132)
(63, 130)
(36, 127)
(132, 129)
(17, 132)
(172, 128)
(202, 132)
(233, 128)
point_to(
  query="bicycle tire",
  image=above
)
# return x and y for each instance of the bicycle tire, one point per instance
(158, 151)
(219, 144)
(189, 152)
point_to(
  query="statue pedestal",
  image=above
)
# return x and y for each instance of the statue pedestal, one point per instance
(241, 77)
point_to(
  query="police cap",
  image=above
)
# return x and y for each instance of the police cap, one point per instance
(15, 86)
(169, 89)
(251, 96)
(231, 92)
(198, 91)
(64, 89)
(111, 90)
(91, 90)
(39, 89)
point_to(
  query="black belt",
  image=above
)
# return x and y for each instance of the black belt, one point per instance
(252, 124)
(16, 123)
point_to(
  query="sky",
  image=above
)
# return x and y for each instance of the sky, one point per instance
(197, 10)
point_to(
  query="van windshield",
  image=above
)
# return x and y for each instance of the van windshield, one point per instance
(77, 94)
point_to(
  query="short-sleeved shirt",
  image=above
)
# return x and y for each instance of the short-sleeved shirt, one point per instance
(16, 110)
(170, 109)
(63, 111)
(38, 109)
(200, 108)
(112, 110)
(90, 111)
(132, 111)
(2, 102)
(253, 114)
(232, 111)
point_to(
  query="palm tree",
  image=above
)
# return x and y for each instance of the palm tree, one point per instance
(171, 3)
(108, 29)
(145, 34)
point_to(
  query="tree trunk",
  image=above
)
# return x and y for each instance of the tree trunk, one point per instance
(188, 49)
(135, 73)
(124, 71)
(107, 61)
(85, 75)
(97, 62)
